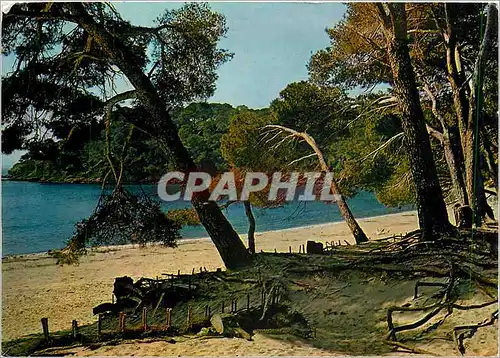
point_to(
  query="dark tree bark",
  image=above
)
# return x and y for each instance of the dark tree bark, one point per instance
(489, 151)
(473, 177)
(465, 104)
(357, 232)
(450, 141)
(251, 226)
(226, 240)
(432, 214)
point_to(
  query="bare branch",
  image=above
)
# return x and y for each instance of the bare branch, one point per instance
(383, 146)
(120, 97)
(307, 138)
(435, 133)
(291, 136)
(149, 30)
(304, 157)
(424, 31)
(434, 105)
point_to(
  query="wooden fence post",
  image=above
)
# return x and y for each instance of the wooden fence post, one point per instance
(122, 322)
(45, 328)
(290, 249)
(99, 324)
(169, 317)
(189, 317)
(74, 328)
(145, 319)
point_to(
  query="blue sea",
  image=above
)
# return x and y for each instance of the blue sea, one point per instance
(39, 217)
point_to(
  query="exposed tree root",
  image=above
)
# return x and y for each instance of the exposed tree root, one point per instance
(464, 260)
(410, 348)
(427, 284)
(470, 330)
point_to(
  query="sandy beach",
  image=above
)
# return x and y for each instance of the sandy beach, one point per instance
(33, 286)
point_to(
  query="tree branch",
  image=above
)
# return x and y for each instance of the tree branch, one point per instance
(150, 30)
(485, 46)
(435, 133)
(383, 15)
(120, 97)
(309, 140)
(17, 12)
(302, 158)
(424, 31)
(434, 105)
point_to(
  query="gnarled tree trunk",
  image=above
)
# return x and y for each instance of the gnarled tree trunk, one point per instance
(251, 226)
(473, 177)
(226, 240)
(465, 100)
(357, 232)
(432, 214)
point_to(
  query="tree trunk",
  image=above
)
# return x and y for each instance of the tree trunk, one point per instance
(227, 241)
(451, 153)
(251, 226)
(452, 148)
(490, 157)
(474, 182)
(465, 100)
(432, 214)
(357, 232)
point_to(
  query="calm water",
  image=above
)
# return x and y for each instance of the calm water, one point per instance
(38, 217)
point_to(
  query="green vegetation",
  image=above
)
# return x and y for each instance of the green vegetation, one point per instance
(201, 126)
(424, 132)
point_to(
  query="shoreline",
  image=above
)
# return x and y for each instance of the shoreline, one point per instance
(202, 238)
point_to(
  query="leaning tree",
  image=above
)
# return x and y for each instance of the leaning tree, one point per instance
(71, 56)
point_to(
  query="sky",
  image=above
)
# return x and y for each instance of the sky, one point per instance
(271, 42)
